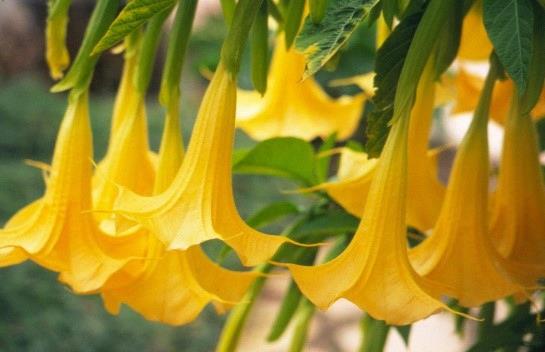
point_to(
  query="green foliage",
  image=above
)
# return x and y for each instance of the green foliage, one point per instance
(388, 64)
(392, 9)
(259, 45)
(133, 15)
(320, 41)
(520, 329)
(317, 10)
(449, 41)
(80, 73)
(290, 158)
(271, 213)
(509, 24)
(292, 21)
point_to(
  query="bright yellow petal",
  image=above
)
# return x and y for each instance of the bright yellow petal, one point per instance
(58, 231)
(293, 107)
(199, 204)
(172, 287)
(474, 44)
(425, 192)
(459, 252)
(374, 271)
(518, 208)
(127, 163)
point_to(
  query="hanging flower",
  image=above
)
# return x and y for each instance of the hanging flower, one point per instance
(459, 252)
(425, 192)
(295, 107)
(374, 271)
(172, 286)
(58, 231)
(517, 222)
(199, 205)
(128, 160)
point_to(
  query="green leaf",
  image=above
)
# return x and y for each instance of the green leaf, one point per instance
(290, 158)
(135, 14)
(509, 24)
(389, 62)
(320, 41)
(449, 40)
(405, 332)
(536, 69)
(292, 22)
(323, 162)
(271, 213)
(333, 222)
(291, 300)
(317, 10)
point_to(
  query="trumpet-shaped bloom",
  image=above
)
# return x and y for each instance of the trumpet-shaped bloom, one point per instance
(374, 271)
(295, 107)
(459, 252)
(425, 192)
(172, 286)
(474, 43)
(128, 149)
(57, 231)
(199, 204)
(518, 207)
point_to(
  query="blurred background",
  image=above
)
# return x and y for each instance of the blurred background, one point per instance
(38, 313)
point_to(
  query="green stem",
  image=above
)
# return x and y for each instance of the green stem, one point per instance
(375, 332)
(260, 49)
(80, 73)
(293, 19)
(148, 51)
(483, 106)
(233, 46)
(230, 334)
(177, 47)
(228, 8)
(303, 318)
(421, 47)
(488, 311)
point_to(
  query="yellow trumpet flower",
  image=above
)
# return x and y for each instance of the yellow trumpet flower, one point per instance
(374, 271)
(173, 286)
(295, 107)
(58, 231)
(199, 204)
(425, 192)
(128, 149)
(474, 43)
(459, 252)
(518, 207)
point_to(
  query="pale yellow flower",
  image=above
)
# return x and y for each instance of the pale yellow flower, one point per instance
(374, 271)
(425, 192)
(459, 252)
(517, 222)
(199, 204)
(295, 107)
(58, 231)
